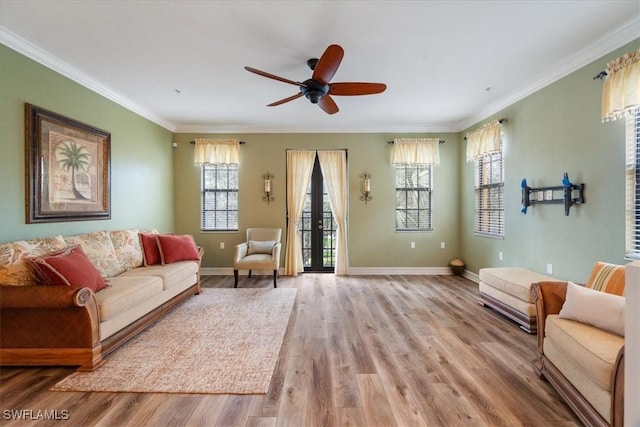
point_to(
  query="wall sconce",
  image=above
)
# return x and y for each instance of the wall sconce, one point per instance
(267, 188)
(366, 187)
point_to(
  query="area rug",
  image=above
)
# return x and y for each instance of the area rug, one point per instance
(221, 341)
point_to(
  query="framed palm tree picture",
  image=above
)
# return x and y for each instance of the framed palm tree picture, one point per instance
(68, 175)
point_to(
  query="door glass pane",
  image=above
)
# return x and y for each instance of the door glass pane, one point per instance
(318, 243)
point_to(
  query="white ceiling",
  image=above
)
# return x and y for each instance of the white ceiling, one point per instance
(447, 64)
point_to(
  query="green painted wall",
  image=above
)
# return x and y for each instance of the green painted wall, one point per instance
(556, 130)
(373, 241)
(552, 131)
(141, 158)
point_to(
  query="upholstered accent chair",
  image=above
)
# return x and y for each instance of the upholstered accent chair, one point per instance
(581, 343)
(261, 251)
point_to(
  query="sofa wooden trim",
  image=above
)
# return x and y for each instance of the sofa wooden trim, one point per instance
(30, 325)
(60, 326)
(22, 345)
(549, 298)
(527, 323)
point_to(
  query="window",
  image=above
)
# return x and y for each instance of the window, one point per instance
(633, 187)
(413, 197)
(219, 197)
(489, 194)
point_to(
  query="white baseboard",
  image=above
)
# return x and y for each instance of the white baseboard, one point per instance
(228, 271)
(358, 271)
(409, 271)
(471, 276)
(208, 271)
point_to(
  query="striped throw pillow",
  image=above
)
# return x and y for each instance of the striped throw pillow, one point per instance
(607, 278)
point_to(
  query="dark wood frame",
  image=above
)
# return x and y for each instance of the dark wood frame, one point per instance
(45, 128)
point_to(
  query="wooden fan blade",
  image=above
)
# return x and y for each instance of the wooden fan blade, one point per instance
(328, 64)
(355, 88)
(273, 76)
(328, 105)
(282, 101)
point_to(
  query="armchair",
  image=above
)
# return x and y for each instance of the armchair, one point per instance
(584, 362)
(261, 251)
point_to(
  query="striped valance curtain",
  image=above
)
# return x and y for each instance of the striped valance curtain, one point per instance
(216, 152)
(621, 89)
(416, 151)
(485, 140)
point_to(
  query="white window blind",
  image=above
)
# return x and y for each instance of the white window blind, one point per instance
(219, 197)
(489, 195)
(633, 187)
(413, 197)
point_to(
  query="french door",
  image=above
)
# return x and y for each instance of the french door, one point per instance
(317, 226)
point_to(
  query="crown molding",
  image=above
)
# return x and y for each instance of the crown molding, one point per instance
(614, 40)
(28, 49)
(244, 128)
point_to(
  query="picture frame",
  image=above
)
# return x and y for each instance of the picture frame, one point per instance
(68, 168)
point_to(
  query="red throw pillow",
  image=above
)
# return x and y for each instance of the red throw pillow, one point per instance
(150, 250)
(69, 267)
(175, 248)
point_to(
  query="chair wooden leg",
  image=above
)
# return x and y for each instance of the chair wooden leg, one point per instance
(275, 275)
(249, 274)
(235, 278)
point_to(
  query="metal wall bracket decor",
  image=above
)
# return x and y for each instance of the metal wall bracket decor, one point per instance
(68, 176)
(572, 194)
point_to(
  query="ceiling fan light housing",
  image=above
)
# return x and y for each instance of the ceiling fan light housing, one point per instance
(314, 91)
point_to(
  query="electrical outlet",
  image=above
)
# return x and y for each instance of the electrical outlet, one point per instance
(500, 256)
(221, 245)
(413, 245)
(549, 268)
(442, 245)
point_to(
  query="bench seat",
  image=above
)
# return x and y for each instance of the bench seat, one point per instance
(508, 291)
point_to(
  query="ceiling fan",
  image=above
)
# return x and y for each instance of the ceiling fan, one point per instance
(317, 89)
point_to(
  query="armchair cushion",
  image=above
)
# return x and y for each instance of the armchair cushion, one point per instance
(600, 309)
(261, 247)
(593, 350)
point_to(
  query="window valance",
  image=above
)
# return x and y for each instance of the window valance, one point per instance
(621, 90)
(216, 151)
(416, 151)
(485, 140)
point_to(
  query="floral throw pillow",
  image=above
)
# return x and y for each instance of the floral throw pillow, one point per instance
(99, 249)
(15, 270)
(127, 246)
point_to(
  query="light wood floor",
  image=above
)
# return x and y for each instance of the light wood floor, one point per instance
(359, 351)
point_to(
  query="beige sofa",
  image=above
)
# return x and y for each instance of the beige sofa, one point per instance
(579, 352)
(66, 325)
